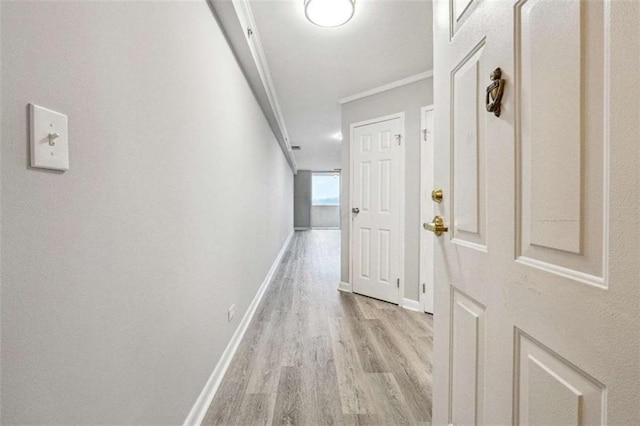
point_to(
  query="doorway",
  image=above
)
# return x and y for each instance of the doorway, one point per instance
(325, 200)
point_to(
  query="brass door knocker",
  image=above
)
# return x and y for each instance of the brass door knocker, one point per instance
(494, 92)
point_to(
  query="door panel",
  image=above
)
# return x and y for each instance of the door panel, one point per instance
(376, 165)
(384, 186)
(550, 390)
(468, 145)
(467, 363)
(365, 186)
(365, 253)
(540, 201)
(551, 152)
(460, 11)
(561, 227)
(384, 263)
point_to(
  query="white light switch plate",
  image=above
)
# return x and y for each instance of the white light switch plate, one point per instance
(46, 155)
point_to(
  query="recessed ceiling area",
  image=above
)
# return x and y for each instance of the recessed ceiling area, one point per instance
(313, 67)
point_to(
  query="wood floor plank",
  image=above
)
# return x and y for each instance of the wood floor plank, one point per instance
(389, 399)
(413, 379)
(362, 420)
(256, 409)
(370, 356)
(349, 305)
(315, 356)
(293, 335)
(413, 323)
(413, 349)
(416, 343)
(234, 386)
(373, 308)
(379, 304)
(351, 377)
(319, 370)
(223, 410)
(265, 369)
(290, 407)
(369, 311)
(317, 324)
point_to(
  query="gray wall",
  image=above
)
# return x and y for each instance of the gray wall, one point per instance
(302, 199)
(408, 99)
(116, 288)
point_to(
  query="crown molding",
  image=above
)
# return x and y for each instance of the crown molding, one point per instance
(389, 86)
(238, 25)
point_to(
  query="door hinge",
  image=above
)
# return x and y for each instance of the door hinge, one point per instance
(399, 139)
(249, 32)
(398, 282)
(423, 288)
(424, 135)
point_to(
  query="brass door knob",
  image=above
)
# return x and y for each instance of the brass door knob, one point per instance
(437, 226)
(436, 195)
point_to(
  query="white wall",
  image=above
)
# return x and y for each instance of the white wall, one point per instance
(408, 99)
(120, 271)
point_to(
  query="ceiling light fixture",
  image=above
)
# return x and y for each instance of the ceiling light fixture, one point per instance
(329, 13)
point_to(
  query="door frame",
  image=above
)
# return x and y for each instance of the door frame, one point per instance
(401, 200)
(423, 205)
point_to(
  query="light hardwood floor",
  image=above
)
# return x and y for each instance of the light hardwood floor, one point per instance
(315, 356)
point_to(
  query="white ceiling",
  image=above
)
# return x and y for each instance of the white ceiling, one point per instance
(313, 67)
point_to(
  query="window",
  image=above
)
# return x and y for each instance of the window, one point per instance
(325, 189)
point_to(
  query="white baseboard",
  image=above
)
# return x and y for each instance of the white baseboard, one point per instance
(411, 305)
(346, 287)
(199, 409)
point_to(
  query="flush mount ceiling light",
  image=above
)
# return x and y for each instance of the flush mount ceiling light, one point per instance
(329, 13)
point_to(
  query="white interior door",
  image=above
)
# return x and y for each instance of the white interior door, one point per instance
(536, 318)
(427, 239)
(376, 202)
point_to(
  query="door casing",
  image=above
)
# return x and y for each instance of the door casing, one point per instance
(426, 210)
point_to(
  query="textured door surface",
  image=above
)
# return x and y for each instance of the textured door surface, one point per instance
(376, 250)
(537, 286)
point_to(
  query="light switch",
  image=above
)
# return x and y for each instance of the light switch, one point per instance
(49, 139)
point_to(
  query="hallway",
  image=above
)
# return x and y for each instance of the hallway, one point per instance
(316, 356)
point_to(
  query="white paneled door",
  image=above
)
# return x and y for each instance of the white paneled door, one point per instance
(376, 207)
(537, 287)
